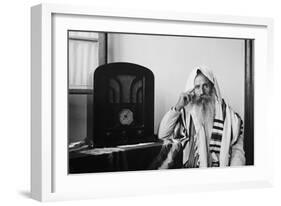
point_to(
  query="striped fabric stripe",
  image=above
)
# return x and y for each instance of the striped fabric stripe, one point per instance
(215, 144)
(218, 128)
(215, 141)
(215, 147)
(216, 131)
(217, 124)
(219, 121)
(216, 137)
(215, 151)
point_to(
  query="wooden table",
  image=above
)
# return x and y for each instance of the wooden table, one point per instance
(135, 157)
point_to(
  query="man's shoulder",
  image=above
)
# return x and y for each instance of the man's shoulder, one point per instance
(225, 107)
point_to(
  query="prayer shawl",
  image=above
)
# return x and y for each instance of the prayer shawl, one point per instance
(225, 147)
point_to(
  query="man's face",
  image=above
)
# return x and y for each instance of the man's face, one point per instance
(203, 88)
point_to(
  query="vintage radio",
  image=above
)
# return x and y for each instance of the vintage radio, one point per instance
(123, 104)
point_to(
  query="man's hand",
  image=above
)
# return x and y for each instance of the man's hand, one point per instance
(184, 99)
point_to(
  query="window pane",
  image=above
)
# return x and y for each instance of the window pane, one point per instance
(83, 59)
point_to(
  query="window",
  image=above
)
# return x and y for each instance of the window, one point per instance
(86, 51)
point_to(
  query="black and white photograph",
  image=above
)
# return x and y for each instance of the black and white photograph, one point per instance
(172, 104)
(150, 102)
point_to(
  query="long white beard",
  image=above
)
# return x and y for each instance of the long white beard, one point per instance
(205, 113)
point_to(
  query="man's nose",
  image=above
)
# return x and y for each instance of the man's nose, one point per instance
(201, 91)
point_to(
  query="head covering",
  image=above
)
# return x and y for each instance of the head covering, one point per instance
(206, 72)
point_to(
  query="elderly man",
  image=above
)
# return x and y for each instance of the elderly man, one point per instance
(201, 126)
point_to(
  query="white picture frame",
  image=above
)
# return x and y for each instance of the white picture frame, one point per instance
(49, 178)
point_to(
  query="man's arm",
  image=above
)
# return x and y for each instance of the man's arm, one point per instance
(170, 120)
(237, 153)
(168, 124)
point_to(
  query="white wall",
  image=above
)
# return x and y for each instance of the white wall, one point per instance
(172, 58)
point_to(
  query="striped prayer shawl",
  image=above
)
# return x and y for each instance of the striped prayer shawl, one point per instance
(216, 136)
(225, 145)
(215, 144)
